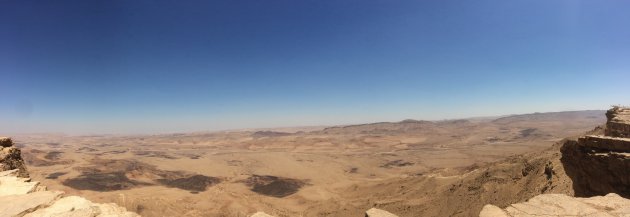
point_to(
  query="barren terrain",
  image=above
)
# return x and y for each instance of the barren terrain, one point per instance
(338, 171)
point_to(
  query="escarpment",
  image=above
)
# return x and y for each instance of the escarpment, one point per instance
(599, 169)
(600, 164)
(20, 196)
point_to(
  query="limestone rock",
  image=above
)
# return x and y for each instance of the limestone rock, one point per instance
(374, 212)
(68, 206)
(21, 197)
(11, 185)
(19, 205)
(563, 205)
(9, 173)
(490, 210)
(113, 210)
(261, 214)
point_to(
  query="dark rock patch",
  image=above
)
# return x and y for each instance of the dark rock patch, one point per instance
(532, 133)
(35, 151)
(274, 186)
(55, 175)
(157, 154)
(234, 163)
(352, 170)
(53, 155)
(103, 182)
(110, 175)
(88, 149)
(53, 144)
(195, 183)
(191, 156)
(133, 169)
(31, 159)
(268, 133)
(527, 132)
(396, 163)
(115, 152)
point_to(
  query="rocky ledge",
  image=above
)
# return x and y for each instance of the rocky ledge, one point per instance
(600, 164)
(563, 205)
(19, 196)
(597, 165)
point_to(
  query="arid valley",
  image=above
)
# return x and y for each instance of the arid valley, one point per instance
(406, 167)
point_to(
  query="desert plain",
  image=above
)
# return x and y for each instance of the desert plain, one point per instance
(313, 171)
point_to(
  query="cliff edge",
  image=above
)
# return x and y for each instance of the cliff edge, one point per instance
(597, 165)
(19, 196)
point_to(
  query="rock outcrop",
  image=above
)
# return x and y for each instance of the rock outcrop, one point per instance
(600, 164)
(19, 196)
(618, 124)
(261, 214)
(563, 205)
(597, 165)
(374, 212)
(11, 158)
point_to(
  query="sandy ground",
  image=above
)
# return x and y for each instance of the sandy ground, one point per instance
(284, 172)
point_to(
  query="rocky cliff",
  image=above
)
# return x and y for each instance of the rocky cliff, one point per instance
(11, 158)
(19, 196)
(597, 165)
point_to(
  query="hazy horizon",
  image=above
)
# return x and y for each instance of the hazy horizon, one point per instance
(130, 67)
(166, 132)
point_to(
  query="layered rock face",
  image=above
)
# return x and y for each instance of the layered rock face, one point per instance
(19, 196)
(597, 165)
(618, 124)
(600, 164)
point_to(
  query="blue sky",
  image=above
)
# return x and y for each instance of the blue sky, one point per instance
(177, 66)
